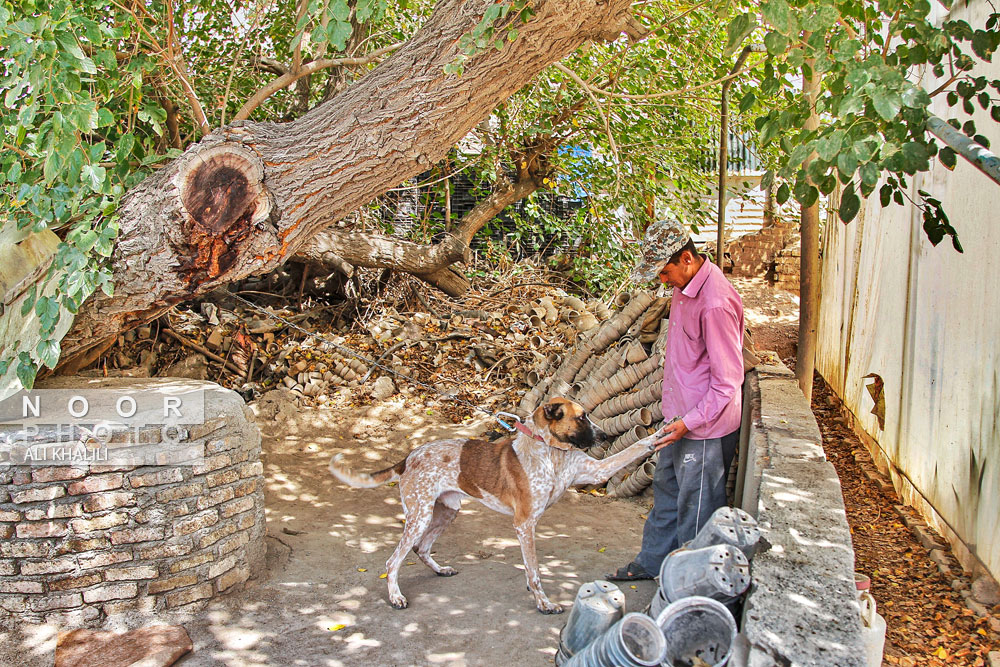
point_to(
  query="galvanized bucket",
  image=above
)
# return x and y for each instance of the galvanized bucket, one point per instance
(697, 628)
(720, 572)
(634, 641)
(598, 605)
(732, 526)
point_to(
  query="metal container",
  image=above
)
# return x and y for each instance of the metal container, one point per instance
(636, 640)
(720, 572)
(697, 628)
(598, 605)
(732, 526)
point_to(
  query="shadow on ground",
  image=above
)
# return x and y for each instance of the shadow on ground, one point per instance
(321, 600)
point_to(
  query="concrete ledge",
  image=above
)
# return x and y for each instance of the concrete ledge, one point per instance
(802, 608)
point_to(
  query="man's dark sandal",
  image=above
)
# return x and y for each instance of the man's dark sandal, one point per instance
(631, 572)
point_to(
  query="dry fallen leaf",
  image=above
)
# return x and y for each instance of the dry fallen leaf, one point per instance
(383, 575)
(362, 569)
(334, 628)
(601, 550)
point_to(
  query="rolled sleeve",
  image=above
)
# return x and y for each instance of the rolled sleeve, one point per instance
(723, 336)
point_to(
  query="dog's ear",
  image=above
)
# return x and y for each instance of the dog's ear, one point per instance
(553, 411)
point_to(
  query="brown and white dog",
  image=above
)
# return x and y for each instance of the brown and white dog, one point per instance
(521, 476)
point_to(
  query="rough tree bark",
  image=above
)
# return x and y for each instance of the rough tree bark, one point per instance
(248, 196)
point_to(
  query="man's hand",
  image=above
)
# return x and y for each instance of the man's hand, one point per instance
(670, 434)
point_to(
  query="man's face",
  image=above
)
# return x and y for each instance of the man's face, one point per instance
(673, 275)
(679, 273)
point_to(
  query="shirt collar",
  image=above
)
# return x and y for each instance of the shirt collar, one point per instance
(698, 281)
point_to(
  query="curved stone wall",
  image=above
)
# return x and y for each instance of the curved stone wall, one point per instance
(81, 543)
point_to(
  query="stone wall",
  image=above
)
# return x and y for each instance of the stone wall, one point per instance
(80, 543)
(802, 607)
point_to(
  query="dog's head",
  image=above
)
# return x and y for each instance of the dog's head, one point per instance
(567, 424)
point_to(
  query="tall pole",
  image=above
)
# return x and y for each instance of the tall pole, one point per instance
(720, 245)
(723, 169)
(805, 360)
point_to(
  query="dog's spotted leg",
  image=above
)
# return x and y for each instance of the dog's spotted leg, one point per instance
(443, 516)
(417, 522)
(526, 536)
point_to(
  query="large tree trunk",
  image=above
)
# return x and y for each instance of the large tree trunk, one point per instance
(248, 196)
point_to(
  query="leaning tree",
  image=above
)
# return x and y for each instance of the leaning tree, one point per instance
(102, 98)
(176, 147)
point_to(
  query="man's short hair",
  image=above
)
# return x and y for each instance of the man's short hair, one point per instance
(690, 247)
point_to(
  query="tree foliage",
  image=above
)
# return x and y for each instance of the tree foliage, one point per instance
(873, 59)
(99, 93)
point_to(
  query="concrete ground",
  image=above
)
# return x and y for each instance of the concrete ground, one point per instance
(321, 600)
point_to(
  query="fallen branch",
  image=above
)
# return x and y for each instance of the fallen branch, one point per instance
(203, 350)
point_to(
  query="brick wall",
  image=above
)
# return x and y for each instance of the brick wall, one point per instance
(78, 544)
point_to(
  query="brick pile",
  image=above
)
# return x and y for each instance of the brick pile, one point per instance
(786, 267)
(753, 254)
(78, 544)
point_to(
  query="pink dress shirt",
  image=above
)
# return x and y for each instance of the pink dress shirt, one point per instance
(703, 361)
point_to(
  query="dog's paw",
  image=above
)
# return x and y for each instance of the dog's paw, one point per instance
(447, 572)
(550, 608)
(398, 602)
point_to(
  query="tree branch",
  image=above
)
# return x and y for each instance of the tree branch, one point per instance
(176, 61)
(607, 124)
(292, 76)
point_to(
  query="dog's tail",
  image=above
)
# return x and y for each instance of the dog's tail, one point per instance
(364, 480)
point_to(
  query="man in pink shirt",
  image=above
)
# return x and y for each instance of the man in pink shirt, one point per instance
(702, 380)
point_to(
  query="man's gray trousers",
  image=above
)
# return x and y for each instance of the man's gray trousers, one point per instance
(689, 484)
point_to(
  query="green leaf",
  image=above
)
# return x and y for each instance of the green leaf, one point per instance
(850, 204)
(747, 102)
(87, 240)
(851, 104)
(947, 157)
(914, 157)
(884, 194)
(69, 45)
(847, 162)
(846, 50)
(366, 9)
(779, 15)
(829, 145)
(26, 371)
(783, 194)
(339, 10)
(858, 77)
(104, 118)
(798, 156)
(29, 301)
(338, 32)
(776, 43)
(48, 352)
(805, 194)
(93, 175)
(870, 173)
(916, 97)
(738, 30)
(887, 103)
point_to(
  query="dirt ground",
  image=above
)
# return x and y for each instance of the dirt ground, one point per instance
(322, 601)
